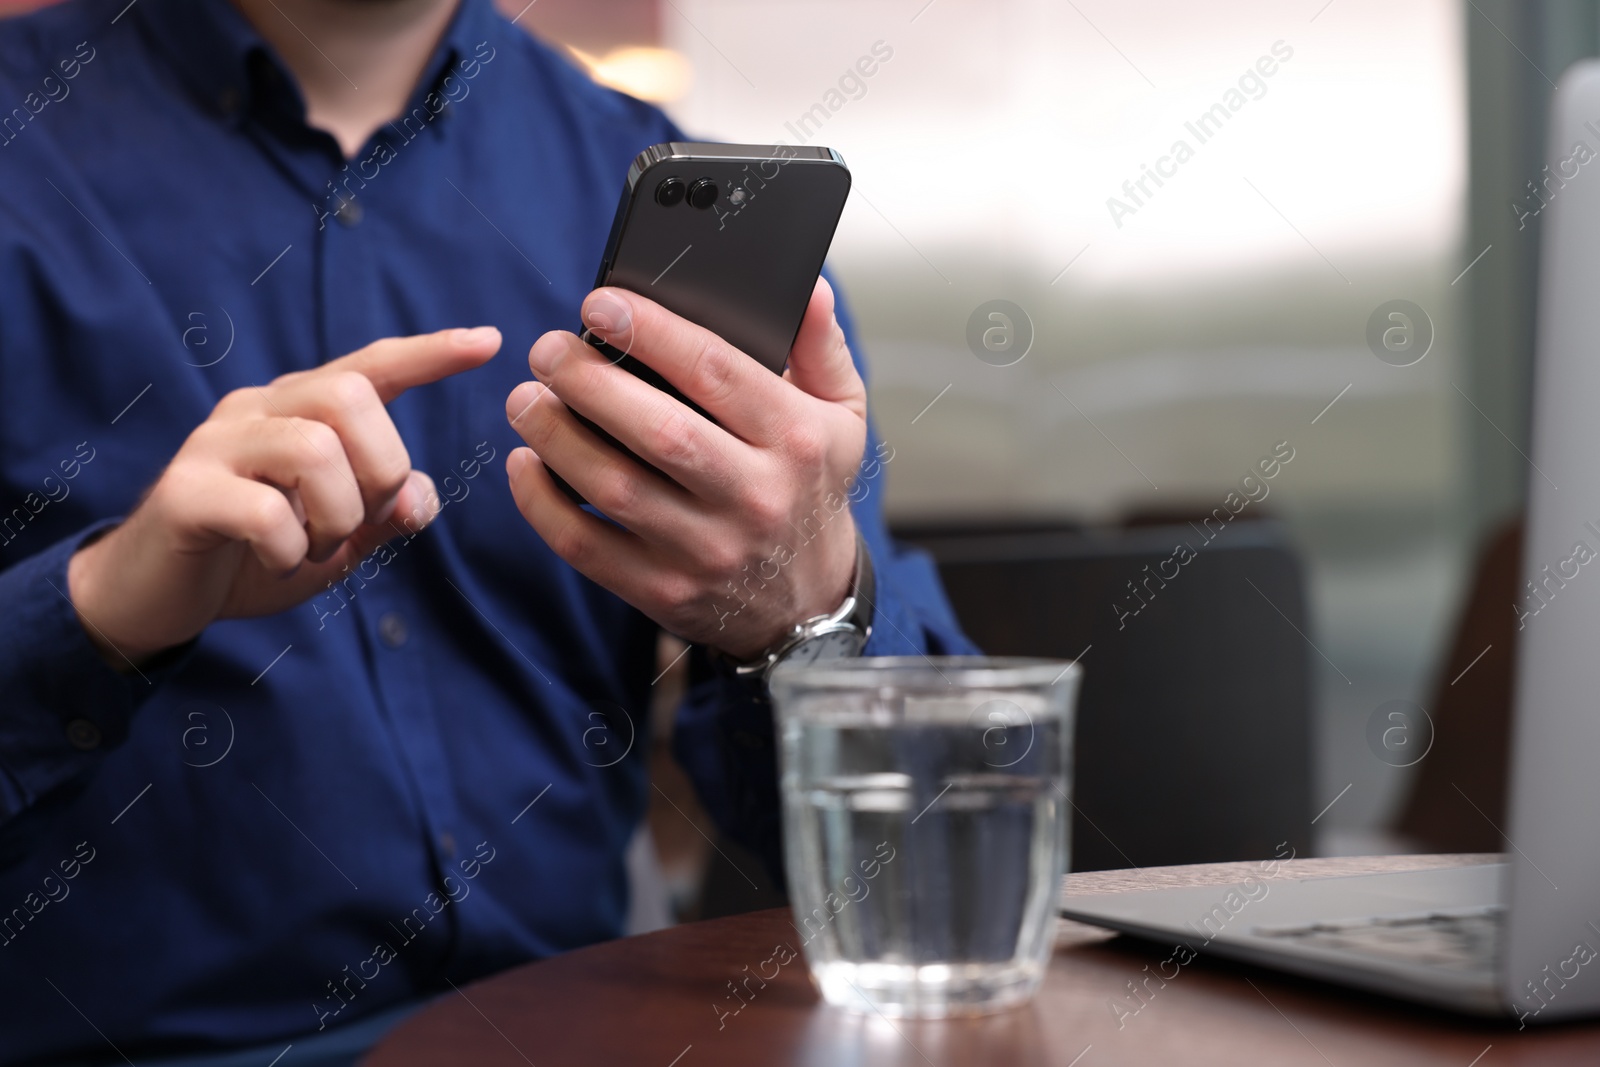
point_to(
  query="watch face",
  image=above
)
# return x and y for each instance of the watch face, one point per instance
(840, 644)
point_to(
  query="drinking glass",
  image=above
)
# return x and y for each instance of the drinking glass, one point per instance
(925, 819)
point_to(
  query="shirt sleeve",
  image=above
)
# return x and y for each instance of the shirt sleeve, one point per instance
(724, 736)
(61, 706)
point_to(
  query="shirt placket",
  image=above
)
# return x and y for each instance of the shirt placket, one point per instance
(375, 590)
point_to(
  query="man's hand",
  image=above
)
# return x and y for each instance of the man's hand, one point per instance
(753, 534)
(282, 487)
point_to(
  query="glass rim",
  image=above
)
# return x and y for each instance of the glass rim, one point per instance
(925, 672)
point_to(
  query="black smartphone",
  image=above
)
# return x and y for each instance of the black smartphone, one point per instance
(731, 237)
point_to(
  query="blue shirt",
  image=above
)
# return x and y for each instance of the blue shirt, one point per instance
(430, 772)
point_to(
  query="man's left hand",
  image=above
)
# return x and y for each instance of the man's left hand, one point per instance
(753, 534)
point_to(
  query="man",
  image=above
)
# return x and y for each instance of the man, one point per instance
(291, 732)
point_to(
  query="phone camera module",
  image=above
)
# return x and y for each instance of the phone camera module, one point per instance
(703, 193)
(670, 192)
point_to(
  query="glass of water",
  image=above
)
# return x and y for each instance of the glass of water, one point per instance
(925, 822)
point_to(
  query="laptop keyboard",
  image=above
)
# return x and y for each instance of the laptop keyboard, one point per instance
(1457, 941)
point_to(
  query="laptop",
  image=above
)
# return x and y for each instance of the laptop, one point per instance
(1521, 937)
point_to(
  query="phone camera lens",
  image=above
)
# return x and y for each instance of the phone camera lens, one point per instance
(670, 191)
(703, 193)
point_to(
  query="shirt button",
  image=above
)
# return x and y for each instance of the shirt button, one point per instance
(349, 213)
(228, 101)
(392, 629)
(447, 844)
(83, 735)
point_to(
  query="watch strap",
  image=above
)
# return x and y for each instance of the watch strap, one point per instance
(856, 611)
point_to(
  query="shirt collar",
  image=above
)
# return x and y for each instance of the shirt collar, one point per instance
(237, 73)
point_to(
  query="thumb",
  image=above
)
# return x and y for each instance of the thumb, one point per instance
(819, 362)
(416, 505)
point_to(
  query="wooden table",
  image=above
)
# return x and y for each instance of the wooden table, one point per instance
(654, 1001)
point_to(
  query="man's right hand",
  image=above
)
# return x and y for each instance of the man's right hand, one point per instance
(270, 498)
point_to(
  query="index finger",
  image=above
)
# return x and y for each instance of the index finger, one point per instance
(745, 398)
(395, 364)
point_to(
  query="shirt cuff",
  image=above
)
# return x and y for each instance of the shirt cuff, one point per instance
(65, 705)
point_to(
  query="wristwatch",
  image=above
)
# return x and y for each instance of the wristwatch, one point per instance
(840, 635)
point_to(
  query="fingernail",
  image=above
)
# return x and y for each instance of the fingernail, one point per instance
(547, 352)
(429, 494)
(425, 504)
(386, 511)
(522, 398)
(518, 462)
(476, 336)
(609, 319)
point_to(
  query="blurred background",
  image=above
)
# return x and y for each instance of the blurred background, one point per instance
(1181, 333)
(1182, 329)
(1175, 345)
